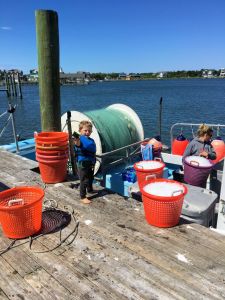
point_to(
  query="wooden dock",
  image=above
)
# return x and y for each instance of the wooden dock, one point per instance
(116, 254)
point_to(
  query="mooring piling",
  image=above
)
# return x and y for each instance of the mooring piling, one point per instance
(11, 86)
(48, 69)
(19, 85)
(14, 84)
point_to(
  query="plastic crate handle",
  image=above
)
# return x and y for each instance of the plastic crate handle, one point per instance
(178, 191)
(17, 201)
(153, 176)
(157, 159)
(194, 162)
(140, 166)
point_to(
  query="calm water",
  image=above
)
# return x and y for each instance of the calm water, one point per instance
(192, 100)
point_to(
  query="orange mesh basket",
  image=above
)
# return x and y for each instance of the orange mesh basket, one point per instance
(21, 211)
(161, 211)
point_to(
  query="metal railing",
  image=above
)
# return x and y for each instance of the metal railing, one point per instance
(122, 155)
(218, 126)
(11, 111)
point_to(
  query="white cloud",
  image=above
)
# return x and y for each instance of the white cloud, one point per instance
(6, 28)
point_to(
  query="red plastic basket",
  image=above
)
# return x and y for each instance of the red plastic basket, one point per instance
(51, 157)
(51, 147)
(21, 211)
(143, 175)
(161, 211)
(52, 136)
(53, 171)
(52, 152)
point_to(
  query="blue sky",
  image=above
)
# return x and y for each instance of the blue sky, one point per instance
(118, 35)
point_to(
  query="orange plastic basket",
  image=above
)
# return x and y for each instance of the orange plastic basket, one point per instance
(52, 136)
(52, 144)
(53, 171)
(143, 175)
(51, 147)
(161, 211)
(21, 211)
(52, 152)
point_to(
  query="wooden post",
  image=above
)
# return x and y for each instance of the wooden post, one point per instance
(48, 69)
(7, 84)
(11, 85)
(19, 84)
(14, 84)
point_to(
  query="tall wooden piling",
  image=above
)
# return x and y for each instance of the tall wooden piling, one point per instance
(14, 85)
(7, 84)
(11, 85)
(19, 85)
(48, 69)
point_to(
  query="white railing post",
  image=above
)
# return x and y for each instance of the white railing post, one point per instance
(221, 210)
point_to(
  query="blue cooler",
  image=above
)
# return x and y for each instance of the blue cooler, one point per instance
(119, 182)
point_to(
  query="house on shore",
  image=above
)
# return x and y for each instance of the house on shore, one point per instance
(222, 73)
(161, 75)
(33, 76)
(122, 76)
(208, 74)
(65, 78)
(130, 76)
(75, 78)
(133, 76)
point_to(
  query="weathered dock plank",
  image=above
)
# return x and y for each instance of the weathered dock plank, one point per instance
(13, 285)
(3, 295)
(47, 286)
(116, 254)
(24, 265)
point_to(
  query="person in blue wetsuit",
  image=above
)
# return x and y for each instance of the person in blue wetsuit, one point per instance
(85, 150)
(201, 145)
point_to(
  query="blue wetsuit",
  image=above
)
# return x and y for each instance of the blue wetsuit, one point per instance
(85, 156)
(87, 149)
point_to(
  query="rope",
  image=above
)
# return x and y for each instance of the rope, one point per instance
(5, 126)
(49, 204)
(10, 111)
(61, 241)
(65, 125)
(3, 114)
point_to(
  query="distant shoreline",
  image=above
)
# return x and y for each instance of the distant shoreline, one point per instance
(2, 83)
(123, 80)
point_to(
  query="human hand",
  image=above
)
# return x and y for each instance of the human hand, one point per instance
(76, 135)
(76, 141)
(204, 154)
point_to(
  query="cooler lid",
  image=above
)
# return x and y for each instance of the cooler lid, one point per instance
(198, 201)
